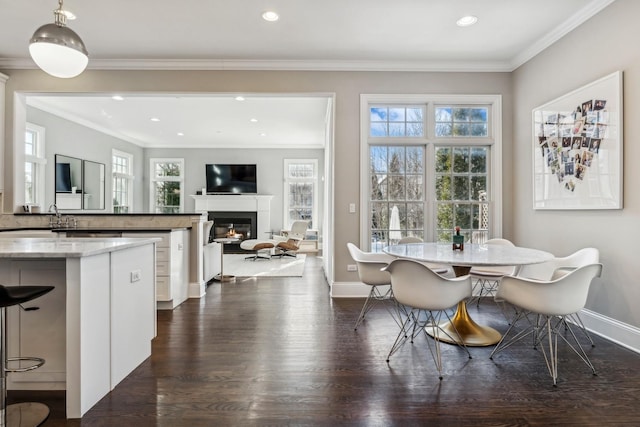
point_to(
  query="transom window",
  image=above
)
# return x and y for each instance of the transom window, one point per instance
(429, 166)
(396, 121)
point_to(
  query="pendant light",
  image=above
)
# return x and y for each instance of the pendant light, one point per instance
(57, 49)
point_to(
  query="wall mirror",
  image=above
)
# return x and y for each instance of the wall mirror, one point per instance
(68, 182)
(80, 184)
(93, 185)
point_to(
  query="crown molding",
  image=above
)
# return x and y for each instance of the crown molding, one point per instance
(585, 13)
(275, 65)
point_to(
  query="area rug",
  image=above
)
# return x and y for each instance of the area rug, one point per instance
(236, 265)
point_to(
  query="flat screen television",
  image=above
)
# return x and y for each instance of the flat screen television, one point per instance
(231, 179)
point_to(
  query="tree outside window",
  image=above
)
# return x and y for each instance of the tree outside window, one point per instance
(166, 185)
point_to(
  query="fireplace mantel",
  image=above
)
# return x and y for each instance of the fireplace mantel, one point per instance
(259, 203)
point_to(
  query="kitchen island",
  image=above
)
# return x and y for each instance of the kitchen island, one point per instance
(95, 327)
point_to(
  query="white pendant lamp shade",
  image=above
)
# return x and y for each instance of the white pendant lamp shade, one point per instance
(57, 49)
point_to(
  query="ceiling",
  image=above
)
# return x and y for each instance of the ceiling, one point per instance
(408, 35)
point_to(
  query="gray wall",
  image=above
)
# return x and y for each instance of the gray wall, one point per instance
(270, 170)
(347, 87)
(604, 44)
(74, 140)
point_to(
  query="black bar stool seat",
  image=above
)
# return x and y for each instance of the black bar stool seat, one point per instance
(26, 413)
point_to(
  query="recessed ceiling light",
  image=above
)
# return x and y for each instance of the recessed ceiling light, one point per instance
(117, 98)
(180, 134)
(270, 16)
(155, 119)
(263, 134)
(239, 98)
(466, 21)
(253, 120)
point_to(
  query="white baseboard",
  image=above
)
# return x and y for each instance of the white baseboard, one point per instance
(350, 290)
(197, 290)
(620, 333)
(613, 330)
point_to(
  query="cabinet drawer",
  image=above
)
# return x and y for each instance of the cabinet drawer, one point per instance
(163, 268)
(162, 254)
(163, 289)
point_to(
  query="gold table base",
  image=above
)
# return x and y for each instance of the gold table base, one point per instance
(469, 332)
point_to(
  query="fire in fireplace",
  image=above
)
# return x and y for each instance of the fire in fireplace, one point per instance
(239, 225)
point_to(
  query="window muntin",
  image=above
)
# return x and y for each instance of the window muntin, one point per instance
(167, 178)
(122, 182)
(300, 177)
(455, 122)
(396, 121)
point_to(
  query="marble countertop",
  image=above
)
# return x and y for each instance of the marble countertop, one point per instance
(30, 247)
(472, 255)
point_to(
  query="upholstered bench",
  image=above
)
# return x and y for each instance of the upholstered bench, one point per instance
(258, 246)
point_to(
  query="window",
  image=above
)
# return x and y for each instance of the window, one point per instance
(34, 164)
(300, 183)
(122, 172)
(396, 121)
(396, 193)
(429, 164)
(167, 179)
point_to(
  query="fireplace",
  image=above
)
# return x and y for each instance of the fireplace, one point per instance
(240, 225)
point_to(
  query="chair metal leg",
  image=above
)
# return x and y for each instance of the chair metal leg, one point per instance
(372, 299)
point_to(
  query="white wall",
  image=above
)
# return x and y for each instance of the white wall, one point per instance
(602, 45)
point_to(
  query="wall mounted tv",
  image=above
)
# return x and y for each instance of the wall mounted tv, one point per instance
(231, 179)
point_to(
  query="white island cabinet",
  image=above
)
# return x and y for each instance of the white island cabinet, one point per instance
(95, 327)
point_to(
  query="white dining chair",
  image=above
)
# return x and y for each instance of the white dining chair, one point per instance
(427, 296)
(487, 279)
(370, 265)
(558, 267)
(438, 268)
(551, 302)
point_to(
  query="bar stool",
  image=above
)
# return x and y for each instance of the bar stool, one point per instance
(27, 413)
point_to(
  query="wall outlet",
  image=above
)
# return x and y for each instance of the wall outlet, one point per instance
(352, 267)
(352, 208)
(136, 275)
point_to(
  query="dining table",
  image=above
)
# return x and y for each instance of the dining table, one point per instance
(462, 329)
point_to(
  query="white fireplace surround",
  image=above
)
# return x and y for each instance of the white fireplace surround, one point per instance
(259, 203)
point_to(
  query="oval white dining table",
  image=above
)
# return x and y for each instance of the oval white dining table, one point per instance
(473, 255)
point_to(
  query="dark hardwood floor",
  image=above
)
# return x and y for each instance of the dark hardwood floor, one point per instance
(280, 351)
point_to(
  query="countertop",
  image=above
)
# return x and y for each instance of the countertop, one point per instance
(33, 247)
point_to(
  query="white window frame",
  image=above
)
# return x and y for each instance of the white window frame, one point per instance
(39, 160)
(287, 180)
(153, 179)
(430, 101)
(127, 176)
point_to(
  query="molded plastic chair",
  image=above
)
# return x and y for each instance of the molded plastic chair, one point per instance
(488, 278)
(560, 266)
(370, 272)
(438, 268)
(425, 294)
(552, 301)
